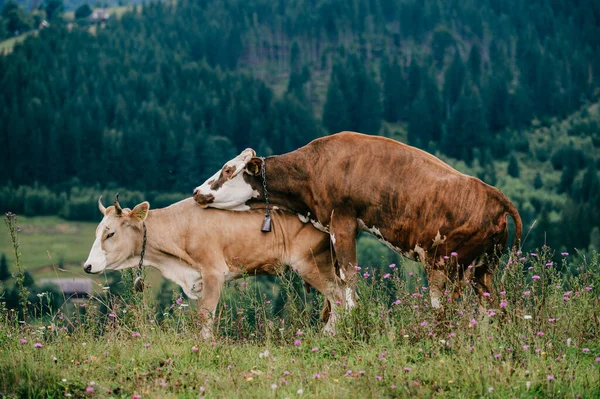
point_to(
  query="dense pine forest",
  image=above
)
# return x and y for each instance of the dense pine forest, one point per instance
(159, 98)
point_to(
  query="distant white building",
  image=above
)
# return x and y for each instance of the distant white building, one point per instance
(74, 289)
(99, 15)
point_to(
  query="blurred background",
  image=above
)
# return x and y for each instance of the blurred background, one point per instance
(148, 100)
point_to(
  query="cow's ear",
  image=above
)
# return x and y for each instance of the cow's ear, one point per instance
(254, 166)
(140, 211)
(247, 155)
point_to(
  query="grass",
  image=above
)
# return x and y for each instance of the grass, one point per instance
(538, 337)
(6, 46)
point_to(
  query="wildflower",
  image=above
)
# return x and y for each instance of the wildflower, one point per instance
(194, 349)
(491, 313)
(179, 300)
(37, 345)
(525, 347)
(522, 259)
(446, 257)
(410, 274)
(540, 334)
(550, 378)
(136, 396)
(136, 335)
(299, 333)
(564, 253)
(598, 360)
(387, 275)
(586, 350)
(490, 389)
(535, 277)
(366, 275)
(297, 342)
(473, 322)
(273, 386)
(424, 324)
(497, 356)
(314, 349)
(533, 254)
(23, 341)
(486, 294)
(470, 267)
(112, 315)
(526, 293)
(527, 317)
(357, 267)
(451, 335)
(378, 377)
(89, 389)
(393, 387)
(472, 348)
(407, 369)
(528, 385)
(503, 303)
(568, 341)
(348, 372)
(454, 254)
(588, 288)
(393, 265)
(300, 391)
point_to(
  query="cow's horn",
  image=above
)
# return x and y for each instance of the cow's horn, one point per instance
(100, 206)
(117, 206)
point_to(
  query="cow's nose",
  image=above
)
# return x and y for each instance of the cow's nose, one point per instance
(87, 268)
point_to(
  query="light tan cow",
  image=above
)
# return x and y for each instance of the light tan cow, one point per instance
(201, 249)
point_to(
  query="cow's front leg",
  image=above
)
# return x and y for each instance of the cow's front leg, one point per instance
(212, 283)
(343, 231)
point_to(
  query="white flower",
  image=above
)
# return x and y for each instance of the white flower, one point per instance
(527, 317)
(490, 389)
(528, 384)
(568, 341)
(273, 386)
(300, 391)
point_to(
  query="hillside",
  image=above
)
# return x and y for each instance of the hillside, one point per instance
(158, 99)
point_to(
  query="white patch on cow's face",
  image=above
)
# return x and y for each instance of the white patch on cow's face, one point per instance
(235, 191)
(97, 257)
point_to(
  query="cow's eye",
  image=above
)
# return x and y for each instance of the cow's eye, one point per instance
(110, 235)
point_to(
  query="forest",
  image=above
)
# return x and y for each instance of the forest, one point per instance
(155, 101)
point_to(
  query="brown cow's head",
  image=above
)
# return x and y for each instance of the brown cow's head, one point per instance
(227, 189)
(118, 236)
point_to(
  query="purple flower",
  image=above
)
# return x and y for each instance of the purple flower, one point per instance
(473, 322)
(136, 335)
(357, 267)
(534, 254)
(314, 349)
(535, 277)
(297, 342)
(387, 275)
(112, 315)
(37, 345)
(549, 264)
(486, 294)
(454, 254)
(550, 378)
(194, 349)
(136, 396)
(179, 301)
(586, 350)
(23, 341)
(588, 288)
(424, 324)
(497, 356)
(407, 369)
(598, 360)
(564, 253)
(89, 389)
(299, 333)
(366, 275)
(526, 292)
(540, 334)
(503, 303)
(379, 378)
(392, 265)
(348, 372)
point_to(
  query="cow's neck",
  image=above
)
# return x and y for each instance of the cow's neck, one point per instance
(286, 182)
(165, 250)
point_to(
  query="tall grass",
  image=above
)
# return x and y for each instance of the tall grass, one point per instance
(537, 336)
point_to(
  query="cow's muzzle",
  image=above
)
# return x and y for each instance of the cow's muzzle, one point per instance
(203, 199)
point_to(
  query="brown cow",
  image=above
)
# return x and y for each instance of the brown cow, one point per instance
(201, 249)
(410, 200)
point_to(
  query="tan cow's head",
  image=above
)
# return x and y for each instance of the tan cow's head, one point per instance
(118, 237)
(227, 189)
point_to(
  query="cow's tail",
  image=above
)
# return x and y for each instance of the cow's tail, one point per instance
(512, 211)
